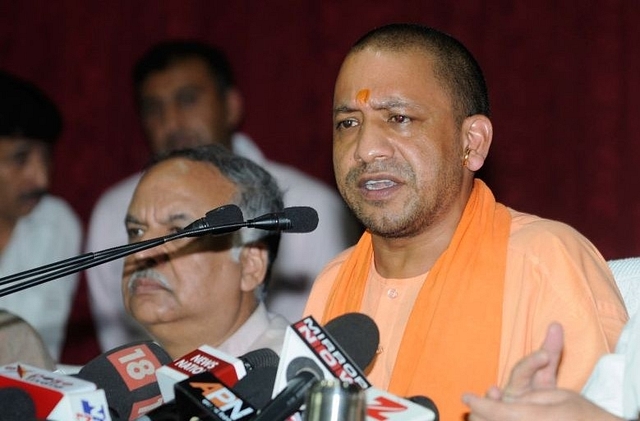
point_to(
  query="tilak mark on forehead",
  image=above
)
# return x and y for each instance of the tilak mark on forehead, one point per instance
(362, 96)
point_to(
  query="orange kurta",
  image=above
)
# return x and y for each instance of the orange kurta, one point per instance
(552, 273)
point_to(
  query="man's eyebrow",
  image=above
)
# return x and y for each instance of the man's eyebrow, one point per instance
(392, 103)
(343, 109)
(176, 217)
(130, 219)
(387, 104)
(180, 217)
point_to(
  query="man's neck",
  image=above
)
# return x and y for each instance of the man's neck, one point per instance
(179, 338)
(406, 257)
(401, 258)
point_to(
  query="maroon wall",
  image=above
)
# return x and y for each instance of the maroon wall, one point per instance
(564, 82)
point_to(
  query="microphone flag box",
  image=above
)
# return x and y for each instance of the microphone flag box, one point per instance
(206, 358)
(206, 397)
(57, 397)
(307, 340)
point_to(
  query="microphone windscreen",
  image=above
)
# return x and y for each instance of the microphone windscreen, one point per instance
(426, 403)
(16, 405)
(257, 385)
(259, 358)
(303, 218)
(300, 364)
(127, 375)
(223, 215)
(358, 336)
(227, 214)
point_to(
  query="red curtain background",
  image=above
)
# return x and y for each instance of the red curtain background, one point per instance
(564, 80)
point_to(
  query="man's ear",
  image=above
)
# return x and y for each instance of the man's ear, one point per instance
(235, 108)
(254, 259)
(477, 134)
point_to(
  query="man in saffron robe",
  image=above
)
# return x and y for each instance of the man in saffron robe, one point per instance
(461, 286)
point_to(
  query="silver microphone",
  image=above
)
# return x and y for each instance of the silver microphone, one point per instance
(334, 400)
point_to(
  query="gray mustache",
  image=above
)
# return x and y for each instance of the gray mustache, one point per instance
(147, 274)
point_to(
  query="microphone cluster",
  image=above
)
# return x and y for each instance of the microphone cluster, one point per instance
(219, 221)
(113, 386)
(140, 382)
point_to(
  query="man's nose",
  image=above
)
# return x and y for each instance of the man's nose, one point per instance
(150, 257)
(373, 143)
(173, 118)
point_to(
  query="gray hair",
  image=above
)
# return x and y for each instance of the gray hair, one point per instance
(257, 192)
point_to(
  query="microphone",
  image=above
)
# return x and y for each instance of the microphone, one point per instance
(385, 406)
(250, 392)
(222, 220)
(224, 368)
(16, 405)
(296, 219)
(333, 400)
(224, 215)
(426, 403)
(55, 396)
(128, 376)
(231, 220)
(257, 385)
(206, 397)
(206, 358)
(358, 335)
(310, 353)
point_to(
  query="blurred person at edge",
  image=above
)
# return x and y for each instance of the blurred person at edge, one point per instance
(205, 290)
(36, 227)
(187, 96)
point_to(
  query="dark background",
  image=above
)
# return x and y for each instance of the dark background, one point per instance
(563, 76)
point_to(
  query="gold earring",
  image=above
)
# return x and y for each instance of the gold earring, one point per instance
(465, 158)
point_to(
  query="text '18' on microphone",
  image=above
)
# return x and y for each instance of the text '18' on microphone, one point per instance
(128, 376)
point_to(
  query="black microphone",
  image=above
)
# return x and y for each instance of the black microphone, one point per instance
(222, 220)
(205, 397)
(230, 219)
(257, 385)
(303, 371)
(16, 405)
(427, 403)
(296, 219)
(263, 361)
(224, 215)
(358, 335)
(127, 375)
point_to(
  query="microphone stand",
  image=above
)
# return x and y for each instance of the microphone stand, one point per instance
(230, 214)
